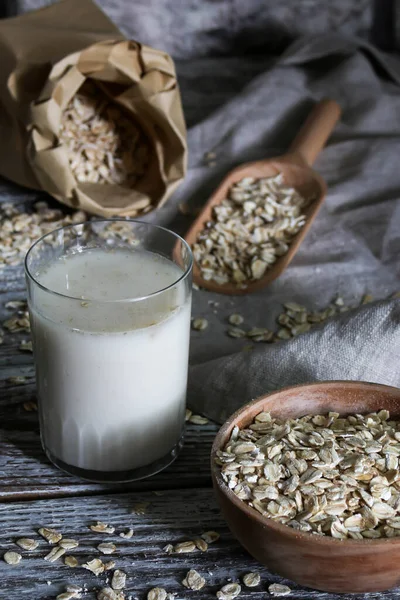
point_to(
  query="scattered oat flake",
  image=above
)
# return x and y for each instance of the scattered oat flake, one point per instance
(54, 554)
(276, 589)
(107, 594)
(68, 544)
(198, 420)
(51, 535)
(188, 414)
(30, 406)
(168, 548)
(185, 547)
(210, 536)
(96, 566)
(26, 346)
(229, 591)
(17, 380)
(140, 508)
(71, 561)
(199, 324)
(193, 580)
(107, 548)
(251, 579)
(109, 565)
(100, 527)
(12, 558)
(201, 544)
(118, 581)
(126, 534)
(27, 543)
(72, 591)
(235, 319)
(157, 593)
(16, 304)
(236, 332)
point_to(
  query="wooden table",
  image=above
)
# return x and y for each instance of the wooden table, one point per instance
(181, 506)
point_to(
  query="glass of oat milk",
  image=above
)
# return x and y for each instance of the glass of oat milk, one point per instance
(109, 303)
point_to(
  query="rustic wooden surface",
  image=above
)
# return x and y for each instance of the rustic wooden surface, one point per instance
(142, 557)
(33, 493)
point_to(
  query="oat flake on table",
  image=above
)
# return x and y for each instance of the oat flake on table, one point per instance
(276, 589)
(193, 580)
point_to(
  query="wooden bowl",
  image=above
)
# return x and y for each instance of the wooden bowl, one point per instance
(320, 562)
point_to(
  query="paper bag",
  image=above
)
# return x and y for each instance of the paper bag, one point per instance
(47, 55)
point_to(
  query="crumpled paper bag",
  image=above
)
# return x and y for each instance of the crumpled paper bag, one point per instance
(46, 56)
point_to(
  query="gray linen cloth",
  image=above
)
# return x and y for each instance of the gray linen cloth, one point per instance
(354, 245)
(245, 106)
(364, 345)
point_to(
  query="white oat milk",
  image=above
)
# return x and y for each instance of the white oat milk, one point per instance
(111, 369)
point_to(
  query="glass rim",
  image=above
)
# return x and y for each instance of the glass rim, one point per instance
(178, 238)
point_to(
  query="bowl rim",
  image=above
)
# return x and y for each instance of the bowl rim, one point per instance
(281, 528)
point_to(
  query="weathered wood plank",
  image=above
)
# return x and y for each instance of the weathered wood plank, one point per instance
(25, 472)
(174, 516)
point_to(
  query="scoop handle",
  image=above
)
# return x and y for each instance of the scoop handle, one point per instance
(316, 130)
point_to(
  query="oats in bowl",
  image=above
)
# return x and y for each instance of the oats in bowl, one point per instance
(324, 474)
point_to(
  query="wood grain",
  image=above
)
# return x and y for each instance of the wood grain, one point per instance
(142, 557)
(25, 472)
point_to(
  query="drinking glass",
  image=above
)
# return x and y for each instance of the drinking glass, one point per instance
(111, 365)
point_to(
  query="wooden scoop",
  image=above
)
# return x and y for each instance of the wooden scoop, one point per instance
(296, 168)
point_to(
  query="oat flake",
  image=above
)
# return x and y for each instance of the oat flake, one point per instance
(251, 579)
(27, 543)
(12, 558)
(118, 581)
(157, 593)
(276, 589)
(193, 580)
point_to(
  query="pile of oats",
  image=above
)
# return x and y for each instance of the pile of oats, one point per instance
(249, 230)
(322, 474)
(19, 229)
(103, 142)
